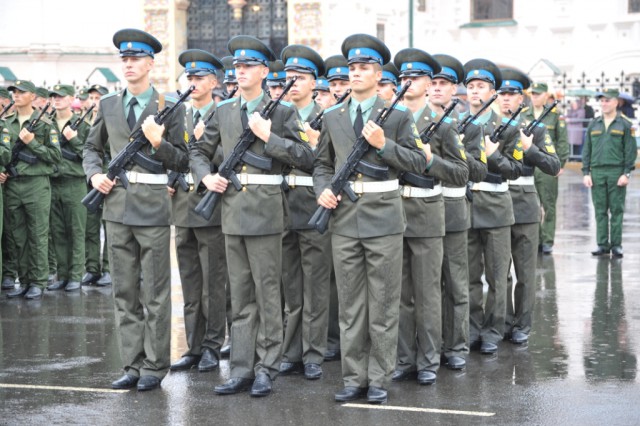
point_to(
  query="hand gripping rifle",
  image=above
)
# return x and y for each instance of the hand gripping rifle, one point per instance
(208, 203)
(137, 140)
(471, 118)
(17, 153)
(529, 129)
(340, 180)
(495, 136)
(67, 153)
(316, 123)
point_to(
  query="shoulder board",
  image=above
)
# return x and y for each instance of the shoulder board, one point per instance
(108, 95)
(11, 115)
(287, 104)
(541, 124)
(555, 109)
(400, 107)
(626, 118)
(46, 120)
(448, 120)
(525, 109)
(332, 108)
(226, 101)
(170, 99)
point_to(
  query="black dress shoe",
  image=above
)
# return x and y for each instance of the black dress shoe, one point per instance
(8, 283)
(33, 293)
(600, 251)
(426, 377)
(617, 251)
(287, 368)
(402, 375)
(376, 395)
(233, 385)
(332, 355)
(208, 361)
(547, 249)
(89, 278)
(350, 393)
(475, 345)
(73, 286)
(104, 280)
(261, 385)
(147, 383)
(17, 292)
(185, 363)
(488, 348)
(127, 381)
(58, 285)
(312, 371)
(225, 351)
(518, 337)
(455, 363)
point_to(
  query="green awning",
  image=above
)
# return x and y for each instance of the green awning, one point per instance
(7, 74)
(106, 73)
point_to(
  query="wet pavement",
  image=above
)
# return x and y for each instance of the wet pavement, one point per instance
(59, 355)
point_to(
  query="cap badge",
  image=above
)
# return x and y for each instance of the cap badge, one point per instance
(129, 45)
(476, 72)
(337, 69)
(18, 83)
(230, 72)
(193, 64)
(57, 87)
(357, 51)
(409, 65)
(295, 60)
(507, 83)
(242, 53)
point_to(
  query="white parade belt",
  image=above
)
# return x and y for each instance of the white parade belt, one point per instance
(454, 192)
(293, 180)
(414, 192)
(251, 179)
(149, 178)
(523, 180)
(490, 187)
(360, 187)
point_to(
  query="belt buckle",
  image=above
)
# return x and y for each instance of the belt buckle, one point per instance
(358, 187)
(406, 191)
(191, 187)
(292, 180)
(244, 179)
(133, 176)
(475, 186)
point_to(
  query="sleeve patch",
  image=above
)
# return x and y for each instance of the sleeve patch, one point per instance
(517, 151)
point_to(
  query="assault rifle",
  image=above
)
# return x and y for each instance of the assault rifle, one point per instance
(208, 203)
(529, 129)
(471, 118)
(138, 140)
(340, 180)
(67, 153)
(498, 131)
(433, 127)
(6, 109)
(17, 153)
(316, 123)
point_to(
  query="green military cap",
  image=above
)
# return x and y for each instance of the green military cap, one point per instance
(62, 90)
(4, 93)
(23, 86)
(249, 50)
(451, 68)
(539, 87)
(416, 63)
(364, 48)
(304, 59)
(337, 68)
(482, 69)
(276, 76)
(199, 62)
(94, 88)
(513, 81)
(229, 70)
(83, 94)
(608, 93)
(42, 92)
(133, 42)
(390, 74)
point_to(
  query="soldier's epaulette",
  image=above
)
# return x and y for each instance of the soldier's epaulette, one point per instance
(287, 104)
(525, 109)
(541, 124)
(170, 99)
(46, 120)
(448, 120)
(400, 107)
(626, 118)
(226, 101)
(10, 115)
(331, 108)
(555, 110)
(108, 95)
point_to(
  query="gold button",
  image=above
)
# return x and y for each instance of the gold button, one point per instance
(359, 175)
(244, 168)
(244, 189)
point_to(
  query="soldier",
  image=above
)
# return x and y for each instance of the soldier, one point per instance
(28, 190)
(97, 273)
(84, 98)
(5, 157)
(489, 245)
(200, 243)
(323, 94)
(253, 219)
(68, 186)
(5, 98)
(608, 157)
(42, 97)
(420, 337)
(389, 82)
(337, 75)
(276, 79)
(455, 272)
(526, 210)
(547, 185)
(367, 235)
(138, 217)
(306, 254)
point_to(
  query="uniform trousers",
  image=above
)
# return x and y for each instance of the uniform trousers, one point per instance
(455, 295)
(608, 198)
(521, 299)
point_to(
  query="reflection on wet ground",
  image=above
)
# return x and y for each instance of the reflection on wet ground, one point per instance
(580, 367)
